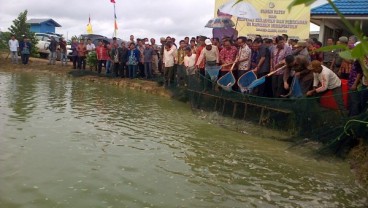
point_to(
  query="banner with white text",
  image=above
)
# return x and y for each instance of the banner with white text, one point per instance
(267, 18)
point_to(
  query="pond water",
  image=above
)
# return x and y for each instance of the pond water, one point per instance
(66, 142)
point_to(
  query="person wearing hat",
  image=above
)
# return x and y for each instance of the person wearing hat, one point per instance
(301, 50)
(154, 57)
(324, 80)
(328, 56)
(161, 55)
(341, 66)
(148, 56)
(210, 54)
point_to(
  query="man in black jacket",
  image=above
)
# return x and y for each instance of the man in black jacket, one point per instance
(123, 59)
(52, 47)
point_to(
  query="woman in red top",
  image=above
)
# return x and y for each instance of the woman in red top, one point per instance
(101, 53)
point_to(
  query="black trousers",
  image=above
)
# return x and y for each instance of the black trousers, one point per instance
(100, 63)
(81, 62)
(123, 70)
(75, 61)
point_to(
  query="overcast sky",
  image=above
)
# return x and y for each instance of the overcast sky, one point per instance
(142, 18)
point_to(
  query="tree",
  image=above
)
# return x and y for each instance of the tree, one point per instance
(20, 29)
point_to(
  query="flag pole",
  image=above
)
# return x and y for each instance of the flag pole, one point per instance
(114, 20)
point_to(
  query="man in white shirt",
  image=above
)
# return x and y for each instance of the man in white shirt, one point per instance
(189, 63)
(169, 62)
(90, 46)
(14, 47)
(325, 79)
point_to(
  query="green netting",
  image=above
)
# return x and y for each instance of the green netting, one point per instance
(301, 116)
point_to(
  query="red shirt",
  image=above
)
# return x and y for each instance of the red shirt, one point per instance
(101, 53)
(198, 52)
(81, 50)
(228, 56)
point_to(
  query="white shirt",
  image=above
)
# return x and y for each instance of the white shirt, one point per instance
(13, 45)
(189, 61)
(169, 57)
(209, 55)
(244, 53)
(91, 47)
(328, 79)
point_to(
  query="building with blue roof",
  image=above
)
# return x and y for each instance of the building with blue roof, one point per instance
(330, 23)
(43, 25)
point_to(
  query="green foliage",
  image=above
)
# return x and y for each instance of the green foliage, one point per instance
(92, 59)
(20, 29)
(4, 41)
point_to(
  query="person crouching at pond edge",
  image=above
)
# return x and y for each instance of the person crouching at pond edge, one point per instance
(324, 80)
(133, 58)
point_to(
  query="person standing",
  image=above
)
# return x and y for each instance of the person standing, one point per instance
(108, 58)
(63, 52)
(155, 57)
(148, 56)
(181, 72)
(90, 46)
(244, 56)
(133, 59)
(140, 47)
(228, 56)
(189, 63)
(328, 56)
(74, 47)
(169, 62)
(279, 54)
(14, 48)
(123, 58)
(114, 54)
(52, 47)
(101, 54)
(25, 48)
(263, 67)
(82, 50)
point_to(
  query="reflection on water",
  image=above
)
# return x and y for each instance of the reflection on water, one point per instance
(70, 143)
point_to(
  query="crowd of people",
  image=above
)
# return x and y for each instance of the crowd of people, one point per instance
(317, 72)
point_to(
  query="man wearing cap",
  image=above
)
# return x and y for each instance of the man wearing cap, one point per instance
(147, 55)
(325, 79)
(161, 55)
(301, 50)
(154, 56)
(328, 56)
(210, 54)
(337, 62)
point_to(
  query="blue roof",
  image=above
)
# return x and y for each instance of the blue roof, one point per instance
(346, 7)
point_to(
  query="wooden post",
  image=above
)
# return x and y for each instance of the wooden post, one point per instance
(245, 110)
(223, 107)
(234, 110)
(261, 116)
(215, 104)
